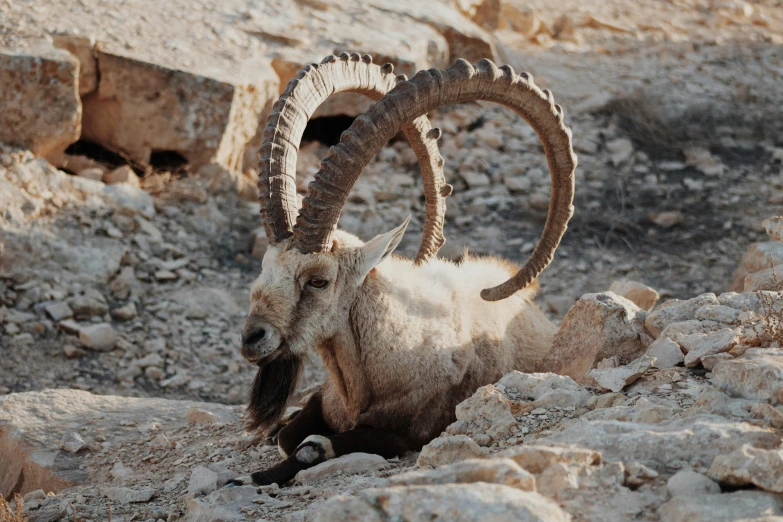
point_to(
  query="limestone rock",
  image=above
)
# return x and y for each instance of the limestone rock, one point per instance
(537, 458)
(457, 502)
(727, 507)
(674, 311)
(141, 107)
(756, 259)
(101, 337)
(667, 218)
(770, 279)
(123, 174)
(39, 95)
(615, 379)
(699, 438)
(82, 47)
(129, 495)
(710, 361)
(774, 227)
(666, 352)
(492, 471)
(446, 450)
(72, 442)
(488, 410)
(126, 195)
(348, 464)
(124, 313)
(202, 481)
(221, 505)
(718, 313)
(639, 294)
(749, 465)
(88, 304)
(547, 389)
(37, 420)
(598, 326)
(757, 374)
(59, 311)
(699, 345)
(688, 483)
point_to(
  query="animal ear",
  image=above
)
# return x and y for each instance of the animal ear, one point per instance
(380, 247)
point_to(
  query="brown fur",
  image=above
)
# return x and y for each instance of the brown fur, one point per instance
(403, 344)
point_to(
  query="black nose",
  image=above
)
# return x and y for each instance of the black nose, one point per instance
(254, 336)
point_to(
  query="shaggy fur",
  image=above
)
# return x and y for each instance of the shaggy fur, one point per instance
(273, 386)
(403, 344)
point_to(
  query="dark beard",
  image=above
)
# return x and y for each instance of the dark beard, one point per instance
(274, 384)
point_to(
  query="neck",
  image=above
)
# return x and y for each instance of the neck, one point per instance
(342, 357)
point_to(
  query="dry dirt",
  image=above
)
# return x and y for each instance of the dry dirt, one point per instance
(647, 87)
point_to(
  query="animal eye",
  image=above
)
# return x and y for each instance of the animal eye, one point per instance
(318, 283)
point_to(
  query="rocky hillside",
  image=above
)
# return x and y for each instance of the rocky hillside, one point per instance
(129, 237)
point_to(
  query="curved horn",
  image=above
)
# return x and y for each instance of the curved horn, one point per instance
(424, 92)
(287, 121)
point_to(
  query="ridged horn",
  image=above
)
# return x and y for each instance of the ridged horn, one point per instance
(424, 92)
(286, 124)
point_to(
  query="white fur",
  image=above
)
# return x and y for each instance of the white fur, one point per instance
(322, 442)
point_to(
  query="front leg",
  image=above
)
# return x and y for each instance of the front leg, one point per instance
(318, 448)
(307, 421)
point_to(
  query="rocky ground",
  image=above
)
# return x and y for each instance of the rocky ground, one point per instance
(126, 274)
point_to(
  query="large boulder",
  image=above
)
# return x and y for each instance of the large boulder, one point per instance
(36, 422)
(41, 109)
(759, 256)
(453, 502)
(597, 327)
(141, 108)
(757, 374)
(698, 439)
(728, 507)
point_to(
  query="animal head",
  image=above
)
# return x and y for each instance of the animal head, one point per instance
(301, 300)
(311, 272)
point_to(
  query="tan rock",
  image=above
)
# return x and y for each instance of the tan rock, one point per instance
(526, 22)
(548, 390)
(757, 258)
(446, 450)
(749, 465)
(700, 345)
(485, 13)
(454, 502)
(728, 507)
(710, 361)
(770, 279)
(124, 495)
(698, 438)
(639, 294)
(597, 327)
(122, 174)
(140, 108)
(615, 379)
(675, 311)
(757, 374)
(774, 227)
(101, 337)
(41, 106)
(489, 411)
(347, 464)
(492, 471)
(537, 458)
(667, 219)
(688, 483)
(37, 420)
(83, 48)
(666, 352)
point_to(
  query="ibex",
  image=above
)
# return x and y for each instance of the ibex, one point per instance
(403, 341)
